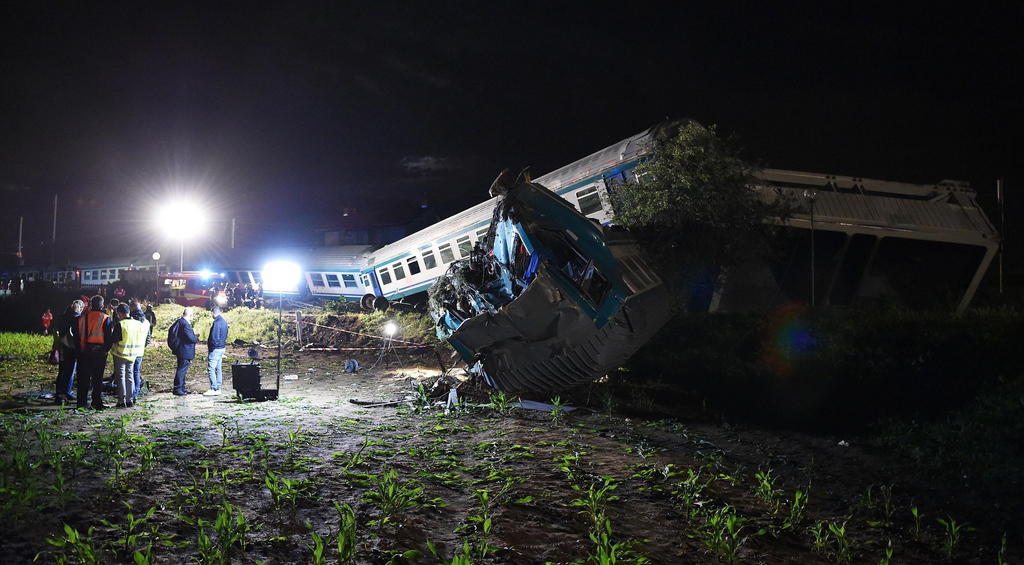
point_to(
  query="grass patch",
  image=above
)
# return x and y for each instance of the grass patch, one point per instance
(24, 346)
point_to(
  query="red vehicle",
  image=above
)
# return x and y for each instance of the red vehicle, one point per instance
(192, 288)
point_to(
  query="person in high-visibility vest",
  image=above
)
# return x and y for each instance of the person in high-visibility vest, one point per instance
(95, 334)
(129, 341)
(139, 316)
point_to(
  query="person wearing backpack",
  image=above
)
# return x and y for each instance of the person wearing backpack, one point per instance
(182, 340)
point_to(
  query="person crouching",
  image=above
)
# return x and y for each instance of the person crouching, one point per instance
(129, 341)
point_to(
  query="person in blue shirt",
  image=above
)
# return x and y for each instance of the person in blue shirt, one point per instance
(216, 343)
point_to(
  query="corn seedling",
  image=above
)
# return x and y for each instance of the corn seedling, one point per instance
(722, 532)
(766, 491)
(796, 510)
(79, 546)
(595, 500)
(346, 542)
(283, 490)
(843, 550)
(557, 410)
(887, 559)
(953, 533)
(391, 495)
(483, 523)
(1001, 556)
(917, 522)
(422, 399)
(131, 532)
(819, 534)
(690, 490)
(501, 403)
(317, 548)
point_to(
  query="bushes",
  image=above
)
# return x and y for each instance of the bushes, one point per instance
(835, 367)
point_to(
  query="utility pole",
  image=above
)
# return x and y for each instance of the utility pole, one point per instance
(53, 238)
(232, 233)
(21, 225)
(1002, 230)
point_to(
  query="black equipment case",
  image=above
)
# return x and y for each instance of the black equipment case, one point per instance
(245, 378)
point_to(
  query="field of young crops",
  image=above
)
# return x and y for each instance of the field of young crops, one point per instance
(313, 478)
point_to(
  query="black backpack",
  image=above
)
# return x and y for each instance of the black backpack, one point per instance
(173, 340)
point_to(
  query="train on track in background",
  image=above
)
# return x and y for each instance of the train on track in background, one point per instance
(862, 240)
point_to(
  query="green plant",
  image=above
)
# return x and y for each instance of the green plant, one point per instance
(318, 548)
(843, 550)
(80, 546)
(766, 491)
(1001, 556)
(346, 541)
(501, 402)
(887, 559)
(557, 410)
(796, 510)
(953, 533)
(917, 522)
(421, 401)
(391, 495)
(131, 534)
(230, 528)
(819, 533)
(284, 490)
(721, 533)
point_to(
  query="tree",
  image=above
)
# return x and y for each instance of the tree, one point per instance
(694, 206)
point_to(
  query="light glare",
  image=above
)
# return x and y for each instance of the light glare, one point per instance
(181, 219)
(281, 276)
(390, 328)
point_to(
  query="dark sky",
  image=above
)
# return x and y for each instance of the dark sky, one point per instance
(283, 116)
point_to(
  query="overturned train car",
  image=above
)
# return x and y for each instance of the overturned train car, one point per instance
(549, 299)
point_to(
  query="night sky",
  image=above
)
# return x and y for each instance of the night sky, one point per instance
(285, 116)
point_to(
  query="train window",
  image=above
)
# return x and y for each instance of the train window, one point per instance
(366, 281)
(317, 278)
(257, 276)
(349, 280)
(465, 246)
(589, 201)
(414, 266)
(399, 271)
(385, 276)
(428, 260)
(332, 281)
(446, 253)
(480, 233)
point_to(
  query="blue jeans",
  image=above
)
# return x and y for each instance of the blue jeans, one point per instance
(213, 368)
(137, 373)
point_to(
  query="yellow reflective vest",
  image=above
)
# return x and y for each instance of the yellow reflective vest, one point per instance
(133, 340)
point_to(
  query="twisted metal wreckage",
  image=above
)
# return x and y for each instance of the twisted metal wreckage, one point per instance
(549, 299)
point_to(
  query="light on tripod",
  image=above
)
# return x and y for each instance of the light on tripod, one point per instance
(390, 328)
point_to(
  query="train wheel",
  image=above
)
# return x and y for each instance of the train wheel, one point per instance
(366, 302)
(380, 303)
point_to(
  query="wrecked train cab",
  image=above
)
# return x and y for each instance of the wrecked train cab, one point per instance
(549, 299)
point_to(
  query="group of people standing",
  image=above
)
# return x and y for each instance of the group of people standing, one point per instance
(87, 333)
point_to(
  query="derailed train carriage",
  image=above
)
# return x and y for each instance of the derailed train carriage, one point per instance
(549, 299)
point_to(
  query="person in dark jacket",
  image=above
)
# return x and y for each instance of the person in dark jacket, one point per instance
(151, 317)
(95, 336)
(186, 351)
(216, 344)
(65, 341)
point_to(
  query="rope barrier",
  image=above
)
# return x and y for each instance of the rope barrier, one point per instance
(410, 343)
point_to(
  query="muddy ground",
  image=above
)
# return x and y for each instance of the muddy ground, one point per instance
(283, 465)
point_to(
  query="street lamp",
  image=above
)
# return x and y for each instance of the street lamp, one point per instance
(280, 277)
(182, 220)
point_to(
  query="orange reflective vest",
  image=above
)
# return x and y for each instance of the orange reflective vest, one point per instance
(133, 340)
(90, 328)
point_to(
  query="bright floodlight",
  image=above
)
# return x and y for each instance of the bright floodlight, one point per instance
(156, 255)
(390, 328)
(181, 219)
(281, 276)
